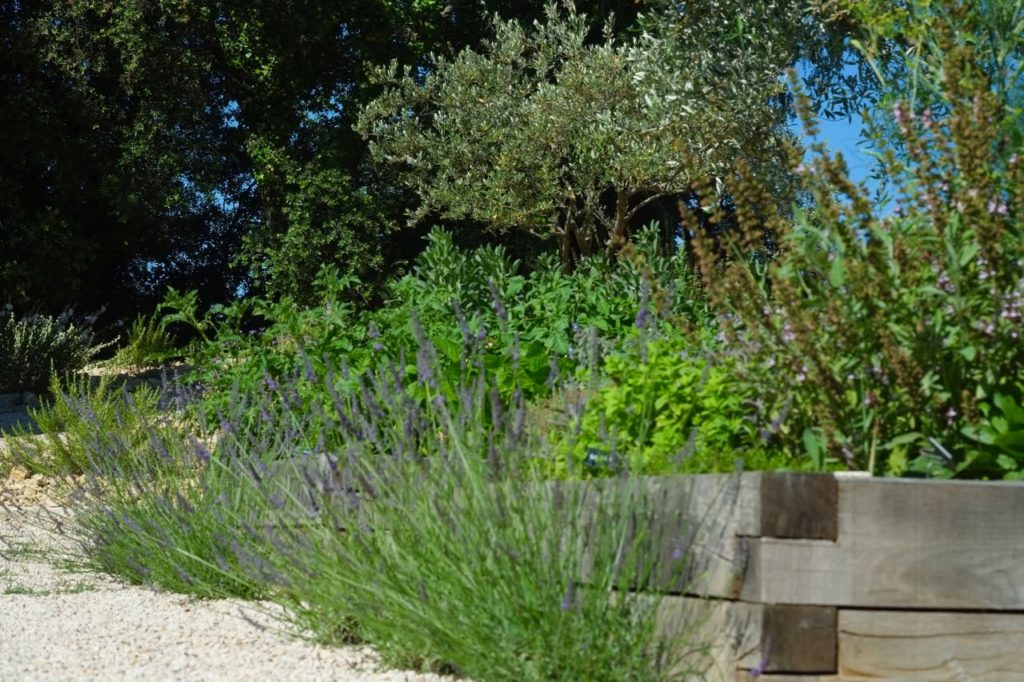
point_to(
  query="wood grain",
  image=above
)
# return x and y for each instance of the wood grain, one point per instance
(706, 521)
(742, 636)
(696, 524)
(744, 676)
(934, 646)
(903, 544)
(801, 506)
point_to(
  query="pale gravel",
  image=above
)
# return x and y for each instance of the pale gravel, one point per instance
(62, 626)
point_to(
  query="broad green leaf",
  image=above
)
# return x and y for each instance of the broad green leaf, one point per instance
(903, 439)
(969, 253)
(837, 272)
(1010, 408)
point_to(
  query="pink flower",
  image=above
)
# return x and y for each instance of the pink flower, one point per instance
(998, 207)
(900, 114)
(926, 119)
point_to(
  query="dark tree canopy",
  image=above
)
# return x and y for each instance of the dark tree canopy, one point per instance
(209, 144)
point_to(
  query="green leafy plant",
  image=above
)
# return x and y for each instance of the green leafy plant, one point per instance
(183, 307)
(1000, 431)
(87, 426)
(890, 332)
(533, 324)
(148, 345)
(254, 341)
(659, 407)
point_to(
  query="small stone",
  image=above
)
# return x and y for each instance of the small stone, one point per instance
(18, 473)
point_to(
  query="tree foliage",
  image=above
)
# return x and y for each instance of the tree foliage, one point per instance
(545, 131)
(197, 143)
(209, 144)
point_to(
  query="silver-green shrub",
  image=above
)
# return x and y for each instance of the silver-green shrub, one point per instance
(33, 347)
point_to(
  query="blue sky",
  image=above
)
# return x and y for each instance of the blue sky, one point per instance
(845, 136)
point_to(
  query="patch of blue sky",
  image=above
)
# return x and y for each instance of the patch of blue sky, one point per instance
(230, 113)
(846, 137)
(332, 109)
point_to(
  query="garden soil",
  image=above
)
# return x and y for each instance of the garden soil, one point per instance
(56, 625)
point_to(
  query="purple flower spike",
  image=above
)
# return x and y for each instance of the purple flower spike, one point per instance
(570, 596)
(642, 316)
(762, 665)
(200, 449)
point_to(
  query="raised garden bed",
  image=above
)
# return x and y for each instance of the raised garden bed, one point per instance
(832, 578)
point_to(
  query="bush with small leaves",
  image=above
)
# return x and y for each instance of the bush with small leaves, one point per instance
(36, 346)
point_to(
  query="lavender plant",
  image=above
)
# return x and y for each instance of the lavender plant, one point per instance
(407, 517)
(86, 425)
(170, 531)
(149, 505)
(453, 554)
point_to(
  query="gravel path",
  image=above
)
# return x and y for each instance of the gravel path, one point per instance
(60, 626)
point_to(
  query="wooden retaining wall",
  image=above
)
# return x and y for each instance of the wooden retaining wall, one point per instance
(822, 578)
(808, 578)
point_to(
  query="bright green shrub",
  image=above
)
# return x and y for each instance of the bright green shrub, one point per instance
(661, 408)
(148, 345)
(33, 347)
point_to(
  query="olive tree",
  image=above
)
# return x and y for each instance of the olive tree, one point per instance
(549, 130)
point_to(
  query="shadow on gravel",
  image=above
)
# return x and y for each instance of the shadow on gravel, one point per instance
(14, 417)
(16, 420)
